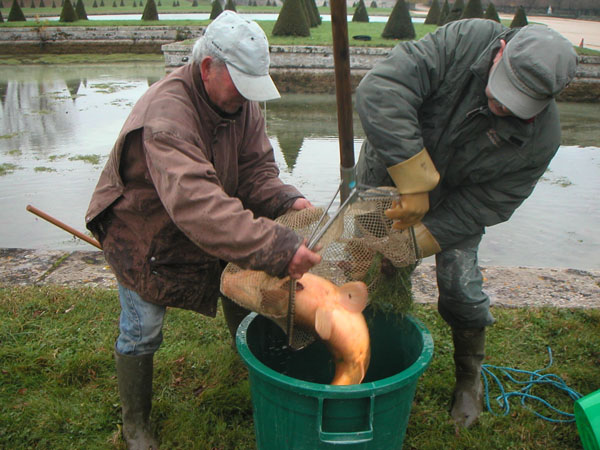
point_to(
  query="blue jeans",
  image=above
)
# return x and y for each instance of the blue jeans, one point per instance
(140, 324)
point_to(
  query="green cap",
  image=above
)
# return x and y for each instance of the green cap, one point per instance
(536, 65)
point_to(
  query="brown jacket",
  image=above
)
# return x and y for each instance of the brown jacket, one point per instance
(184, 188)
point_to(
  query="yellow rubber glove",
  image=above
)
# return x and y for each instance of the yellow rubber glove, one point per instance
(425, 241)
(408, 210)
(406, 247)
(414, 178)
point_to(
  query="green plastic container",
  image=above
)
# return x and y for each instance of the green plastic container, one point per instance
(295, 407)
(587, 417)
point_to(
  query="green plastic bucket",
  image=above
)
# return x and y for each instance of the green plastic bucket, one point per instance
(294, 407)
(587, 417)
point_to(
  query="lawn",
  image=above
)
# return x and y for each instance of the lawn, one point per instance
(320, 35)
(58, 386)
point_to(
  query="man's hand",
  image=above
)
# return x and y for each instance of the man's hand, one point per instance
(301, 203)
(302, 261)
(408, 210)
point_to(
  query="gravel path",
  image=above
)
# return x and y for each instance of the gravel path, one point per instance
(506, 286)
(574, 30)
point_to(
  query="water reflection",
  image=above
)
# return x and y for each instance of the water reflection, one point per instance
(58, 124)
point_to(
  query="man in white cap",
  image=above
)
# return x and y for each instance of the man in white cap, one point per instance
(191, 183)
(463, 122)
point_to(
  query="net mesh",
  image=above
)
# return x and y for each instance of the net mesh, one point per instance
(353, 245)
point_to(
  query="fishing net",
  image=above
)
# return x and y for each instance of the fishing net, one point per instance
(356, 243)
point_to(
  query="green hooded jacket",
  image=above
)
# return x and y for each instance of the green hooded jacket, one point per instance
(431, 94)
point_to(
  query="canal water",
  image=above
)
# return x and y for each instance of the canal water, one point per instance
(58, 124)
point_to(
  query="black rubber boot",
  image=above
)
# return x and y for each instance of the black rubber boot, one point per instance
(469, 351)
(234, 314)
(134, 375)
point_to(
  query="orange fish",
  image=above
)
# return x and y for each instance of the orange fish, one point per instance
(335, 313)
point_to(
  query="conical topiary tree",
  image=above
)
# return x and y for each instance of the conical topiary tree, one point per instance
(444, 13)
(216, 9)
(473, 10)
(312, 4)
(520, 19)
(399, 24)
(80, 10)
(433, 15)
(491, 13)
(310, 14)
(292, 20)
(150, 11)
(67, 14)
(455, 11)
(1, 18)
(230, 5)
(16, 13)
(360, 13)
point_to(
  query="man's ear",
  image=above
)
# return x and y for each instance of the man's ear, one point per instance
(205, 67)
(500, 52)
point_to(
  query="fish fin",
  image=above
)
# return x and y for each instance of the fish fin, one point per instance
(354, 296)
(323, 323)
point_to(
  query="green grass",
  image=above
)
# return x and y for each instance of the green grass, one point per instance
(166, 7)
(320, 35)
(58, 387)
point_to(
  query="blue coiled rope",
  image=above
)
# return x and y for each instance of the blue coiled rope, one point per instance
(535, 379)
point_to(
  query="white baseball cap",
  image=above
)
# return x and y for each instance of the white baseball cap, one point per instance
(244, 48)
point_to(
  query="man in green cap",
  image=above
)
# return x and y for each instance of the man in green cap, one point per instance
(463, 122)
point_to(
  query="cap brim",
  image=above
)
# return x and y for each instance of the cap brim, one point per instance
(519, 103)
(257, 88)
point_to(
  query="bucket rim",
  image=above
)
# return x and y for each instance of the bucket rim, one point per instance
(391, 383)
